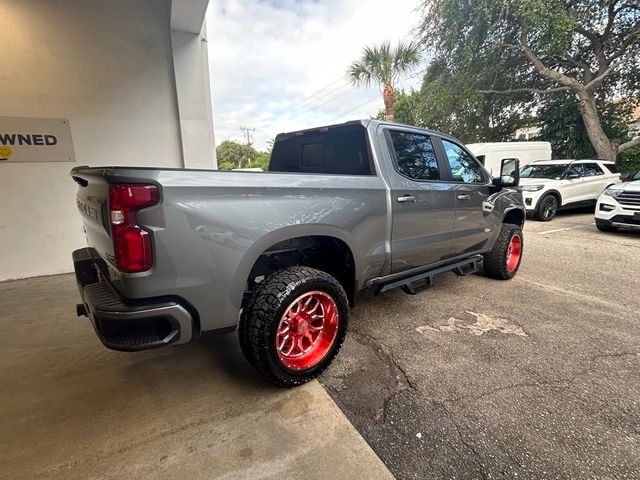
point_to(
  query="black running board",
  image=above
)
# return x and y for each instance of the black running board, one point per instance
(417, 283)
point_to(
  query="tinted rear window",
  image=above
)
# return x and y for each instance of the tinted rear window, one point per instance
(414, 155)
(592, 170)
(340, 150)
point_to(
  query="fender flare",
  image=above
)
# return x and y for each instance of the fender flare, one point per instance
(520, 208)
(240, 276)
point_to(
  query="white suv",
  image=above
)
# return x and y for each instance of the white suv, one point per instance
(551, 185)
(619, 206)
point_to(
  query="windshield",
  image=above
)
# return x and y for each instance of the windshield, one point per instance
(543, 171)
(636, 176)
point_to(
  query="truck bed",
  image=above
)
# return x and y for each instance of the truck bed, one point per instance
(211, 226)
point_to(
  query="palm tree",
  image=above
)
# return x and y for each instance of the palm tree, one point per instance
(383, 64)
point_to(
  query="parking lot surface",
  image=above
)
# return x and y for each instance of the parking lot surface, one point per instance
(71, 409)
(537, 377)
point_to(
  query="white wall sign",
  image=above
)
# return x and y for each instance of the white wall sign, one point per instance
(35, 140)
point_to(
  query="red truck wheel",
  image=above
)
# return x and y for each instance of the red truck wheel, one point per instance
(294, 325)
(503, 261)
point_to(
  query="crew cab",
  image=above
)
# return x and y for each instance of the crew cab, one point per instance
(619, 205)
(552, 185)
(173, 253)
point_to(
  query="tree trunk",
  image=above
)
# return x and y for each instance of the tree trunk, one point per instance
(603, 147)
(389, 96)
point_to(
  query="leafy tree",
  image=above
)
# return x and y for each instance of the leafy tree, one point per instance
(226, 166)
(629, 160)
(238, 155)
(383, 64)
(233, 153)
(540, 48)
(561, 124)
(450, 103)
(261, 160)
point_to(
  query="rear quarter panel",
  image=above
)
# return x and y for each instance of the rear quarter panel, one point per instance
(211, 227)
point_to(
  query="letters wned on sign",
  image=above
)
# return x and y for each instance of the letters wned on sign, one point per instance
(35, 140)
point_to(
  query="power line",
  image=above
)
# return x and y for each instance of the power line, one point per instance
(311, 109)
(316, 93)
(310, 104)
(304, 107)
(356, 108)
(328, 101)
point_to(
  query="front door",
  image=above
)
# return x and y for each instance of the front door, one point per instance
(423, 203)
(472, 186)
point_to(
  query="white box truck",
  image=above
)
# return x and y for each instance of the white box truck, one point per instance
(490, 154)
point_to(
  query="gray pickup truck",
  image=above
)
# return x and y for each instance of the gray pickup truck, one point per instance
(174, 254)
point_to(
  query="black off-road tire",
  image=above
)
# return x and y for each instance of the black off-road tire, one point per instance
(495, 261)
(261, 316)
(605, 226)
(547, 208)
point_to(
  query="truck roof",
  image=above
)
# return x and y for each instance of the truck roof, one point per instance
(567, 161)
(363, 122)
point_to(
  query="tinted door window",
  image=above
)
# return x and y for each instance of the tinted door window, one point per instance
(464, 168)
(414, 156)
(592, 170)
(575, 169)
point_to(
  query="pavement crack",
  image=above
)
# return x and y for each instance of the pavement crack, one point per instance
(402, 380)
(477, 457)
(598, 356)
(561, 383)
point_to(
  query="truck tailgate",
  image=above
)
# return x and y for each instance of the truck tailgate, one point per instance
(91, 199)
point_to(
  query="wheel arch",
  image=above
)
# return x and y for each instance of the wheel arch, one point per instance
(553, 192)
(514, 215)
(331, 240)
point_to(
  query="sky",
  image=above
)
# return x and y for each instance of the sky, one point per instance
(279, 65)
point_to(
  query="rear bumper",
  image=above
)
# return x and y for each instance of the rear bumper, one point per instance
(123, 324)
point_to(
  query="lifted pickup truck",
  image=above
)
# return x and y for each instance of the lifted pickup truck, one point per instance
(177, 253)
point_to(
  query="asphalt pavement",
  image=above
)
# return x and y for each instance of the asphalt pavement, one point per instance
(537, 377)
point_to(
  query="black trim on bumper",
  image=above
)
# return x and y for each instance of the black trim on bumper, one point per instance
(624, 220)
(122, 324)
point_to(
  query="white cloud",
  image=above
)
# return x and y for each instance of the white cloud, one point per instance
(266, 57)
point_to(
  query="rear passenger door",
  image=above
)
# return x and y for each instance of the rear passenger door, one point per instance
(594, 180)
(474, 223)
(422, 202)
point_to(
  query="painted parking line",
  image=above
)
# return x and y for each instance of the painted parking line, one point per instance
(563, 229)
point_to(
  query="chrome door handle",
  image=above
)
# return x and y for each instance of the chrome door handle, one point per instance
(407, 199)
(464, 196)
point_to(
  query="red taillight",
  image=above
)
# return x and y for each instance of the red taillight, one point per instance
(131, 243)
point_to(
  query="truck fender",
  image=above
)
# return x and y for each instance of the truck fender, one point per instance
(239, 279)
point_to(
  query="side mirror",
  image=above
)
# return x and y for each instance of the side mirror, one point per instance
(509, 173)
(625, 176)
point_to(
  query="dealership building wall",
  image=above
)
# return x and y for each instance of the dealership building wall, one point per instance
(132, 78)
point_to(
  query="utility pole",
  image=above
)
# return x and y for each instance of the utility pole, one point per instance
(248, 137)
(248, 134)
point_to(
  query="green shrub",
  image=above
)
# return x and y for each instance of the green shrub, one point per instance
(629, 160)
